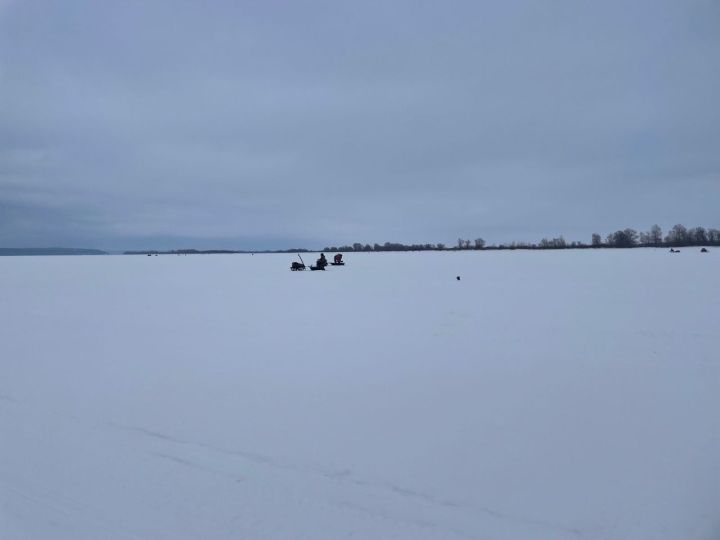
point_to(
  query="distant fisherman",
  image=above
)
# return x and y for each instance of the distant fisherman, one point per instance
(322, 261)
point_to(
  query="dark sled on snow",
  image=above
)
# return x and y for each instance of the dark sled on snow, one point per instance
(297, 266)
(337, 264)
(317, 268)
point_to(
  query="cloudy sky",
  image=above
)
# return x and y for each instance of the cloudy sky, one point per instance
(237, 124)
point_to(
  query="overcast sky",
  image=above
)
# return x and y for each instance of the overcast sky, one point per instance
(233, 124)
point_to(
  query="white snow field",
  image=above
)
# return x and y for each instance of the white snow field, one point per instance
(545, 395)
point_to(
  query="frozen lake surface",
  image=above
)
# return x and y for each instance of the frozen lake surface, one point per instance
(546, 395)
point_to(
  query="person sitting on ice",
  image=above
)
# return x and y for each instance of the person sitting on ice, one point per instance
(338, 258)
(322, 261)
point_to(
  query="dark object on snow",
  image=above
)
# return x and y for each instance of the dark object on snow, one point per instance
(317, 268)
(321, 262)
(703, 250)
(337, 264)
(674, 250)
(457, 277)
(337, 259)
(298, 265)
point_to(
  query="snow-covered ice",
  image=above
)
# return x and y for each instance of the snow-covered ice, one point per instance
(545, 395)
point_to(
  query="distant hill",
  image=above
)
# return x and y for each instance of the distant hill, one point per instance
(49, 251)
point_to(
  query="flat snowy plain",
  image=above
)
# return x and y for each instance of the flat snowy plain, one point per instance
(546, 395)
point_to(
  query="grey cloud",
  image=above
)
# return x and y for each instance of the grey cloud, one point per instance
(327, 122)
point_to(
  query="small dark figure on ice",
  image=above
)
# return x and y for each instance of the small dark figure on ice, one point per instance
(320, 264)
(337, 260)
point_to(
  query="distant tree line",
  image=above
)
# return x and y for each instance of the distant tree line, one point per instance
(213, 251)
(387, 246)
(678, 236)
(49, 251)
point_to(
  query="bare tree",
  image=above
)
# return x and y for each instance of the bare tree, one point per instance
(656, 235)
(677, 235)
(556, 243)
(479, 243)
(698, 236)
(624, 238)
(596, 240)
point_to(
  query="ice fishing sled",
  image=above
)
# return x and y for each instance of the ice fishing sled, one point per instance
(337, 264)
(297, 266)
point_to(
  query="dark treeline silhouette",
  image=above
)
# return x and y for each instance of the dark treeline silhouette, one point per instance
(213, 251)
(182, 252)
(387, 246)
(50, 251)
(678, 236)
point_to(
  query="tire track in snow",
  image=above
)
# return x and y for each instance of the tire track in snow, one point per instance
(345, 476)
(69, 508)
